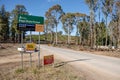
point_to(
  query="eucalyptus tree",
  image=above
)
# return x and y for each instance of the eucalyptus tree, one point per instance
(98, 31)
(84, 30)
(107, 7)
(79, 17)
(93, 7)
(49, 26)
(4, 24)
(114, 25)
(55, 12)
(102, 28)
(19, 9)
(68, 20)
(118, 20)
(46, 29)
(113, 32)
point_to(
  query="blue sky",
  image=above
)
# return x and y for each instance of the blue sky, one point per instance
(39, 7)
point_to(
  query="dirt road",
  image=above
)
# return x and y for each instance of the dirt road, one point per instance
(95, 67)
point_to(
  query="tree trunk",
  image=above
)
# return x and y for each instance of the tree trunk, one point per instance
(92, 28)
(106, 33)
(45, 36)
(18, 37)
(119, 32)
(80, 39)
(117, 35)
(94, 34)
(68, 35)
(15, 38)
(77, 37)
(51, 38)
(56, 35)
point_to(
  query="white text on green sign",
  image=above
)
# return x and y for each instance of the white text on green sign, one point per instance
(30, 19)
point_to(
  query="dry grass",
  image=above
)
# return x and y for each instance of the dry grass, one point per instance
(8, 49)
(112, 53)
(107, 53)
(13, 71)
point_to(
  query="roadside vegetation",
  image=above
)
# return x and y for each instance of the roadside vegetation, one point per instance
(13, 71)
(44, 73)
(97, 36)
(47, 73)
(103, 33)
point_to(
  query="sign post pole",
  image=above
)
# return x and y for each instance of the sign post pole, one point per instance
(22, 47)
(39, 53)
(30, 52)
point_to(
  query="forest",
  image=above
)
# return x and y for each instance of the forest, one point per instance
(89, 32)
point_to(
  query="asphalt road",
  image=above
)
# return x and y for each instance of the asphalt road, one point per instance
(95, 67)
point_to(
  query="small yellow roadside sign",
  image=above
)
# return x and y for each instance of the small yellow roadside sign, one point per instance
(39, 28)
(30, 46)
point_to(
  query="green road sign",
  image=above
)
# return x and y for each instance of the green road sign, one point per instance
(28, 19)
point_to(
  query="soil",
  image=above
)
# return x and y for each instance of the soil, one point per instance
(10, 67)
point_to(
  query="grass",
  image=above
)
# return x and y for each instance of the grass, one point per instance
(19, 70)
(64, 72)
(13, 71)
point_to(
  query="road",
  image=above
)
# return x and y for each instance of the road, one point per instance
(95, 67)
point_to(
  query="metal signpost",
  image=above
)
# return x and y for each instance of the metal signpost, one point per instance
(30, 53)
(30, 23)
(39, 53)
(39, 29)
(22, 52)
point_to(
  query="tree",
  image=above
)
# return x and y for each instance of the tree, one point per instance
(107, 6)
(93, 7)
(114, 25)
(46, 29)
(118, 20)
(50, 25)
(79, 17)
(19, 9)
(102, 29)
(55, 12)
(4, 24)
(68, 20)
(84, 30)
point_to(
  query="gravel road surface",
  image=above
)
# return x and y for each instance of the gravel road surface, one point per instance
(95, 67)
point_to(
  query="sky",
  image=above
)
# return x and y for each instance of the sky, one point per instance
(39, 7)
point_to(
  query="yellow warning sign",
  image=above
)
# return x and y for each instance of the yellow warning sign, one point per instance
(30, 46)
(39, 28)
